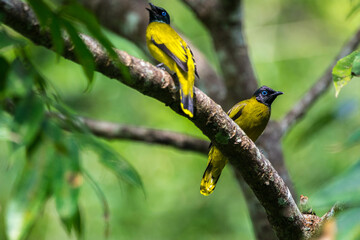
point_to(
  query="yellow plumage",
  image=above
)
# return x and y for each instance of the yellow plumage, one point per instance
(252, 116)
(165, 45)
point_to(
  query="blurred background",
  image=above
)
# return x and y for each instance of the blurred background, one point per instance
(291, 44)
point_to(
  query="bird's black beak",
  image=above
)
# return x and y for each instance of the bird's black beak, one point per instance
(277, 93)
(153, 7)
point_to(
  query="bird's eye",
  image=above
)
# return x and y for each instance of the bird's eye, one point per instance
(163, 13)
(264, 93)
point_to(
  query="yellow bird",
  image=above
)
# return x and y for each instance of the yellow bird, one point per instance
(252, 115)
(167, 47)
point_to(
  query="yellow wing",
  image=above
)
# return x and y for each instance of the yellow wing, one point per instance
(236, 111)
(164, 37)
(166, 46)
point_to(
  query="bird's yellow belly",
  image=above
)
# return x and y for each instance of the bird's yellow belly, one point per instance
(253, 123)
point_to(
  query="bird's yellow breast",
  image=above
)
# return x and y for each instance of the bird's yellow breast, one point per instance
(253, 118)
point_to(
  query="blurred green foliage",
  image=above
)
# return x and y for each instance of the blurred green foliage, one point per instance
(291, 45)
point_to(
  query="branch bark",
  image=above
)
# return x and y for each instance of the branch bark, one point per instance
(318, 89)
(110, 130)
(243, 155)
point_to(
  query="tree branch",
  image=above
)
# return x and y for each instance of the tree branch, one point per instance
(242, 153)
(318, 89)
(110, 130)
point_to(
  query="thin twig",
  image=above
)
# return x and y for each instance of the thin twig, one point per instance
(318, 89)
(110, 130)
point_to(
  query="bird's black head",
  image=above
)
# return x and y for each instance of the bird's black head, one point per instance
(158, 14)
(266, 95)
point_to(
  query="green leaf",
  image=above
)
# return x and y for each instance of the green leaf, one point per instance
(118, 165)
(42, 11)
(49, 19)
(28, 198)
(345, 69)
(67, 181)
(356, 65)
(4, 71)
(75, 222)
(66, 184)
(102, 198)
(7, 40)
(5, 128)
(66, 176)
(82, 15)
(344, 188)
(83, 54)
(24, 76)
(56, 36)
(28, 118)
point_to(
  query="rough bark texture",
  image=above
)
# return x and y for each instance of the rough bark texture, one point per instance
(256, 170)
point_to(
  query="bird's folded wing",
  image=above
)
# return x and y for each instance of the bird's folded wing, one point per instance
(236, 111)
(174, 47)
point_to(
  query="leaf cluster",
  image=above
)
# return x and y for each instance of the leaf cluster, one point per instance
(32, 121)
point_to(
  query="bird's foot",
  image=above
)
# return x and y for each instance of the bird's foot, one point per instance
(175, 78)
(161, 66)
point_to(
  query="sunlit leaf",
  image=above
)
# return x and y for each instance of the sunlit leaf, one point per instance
(343, 71)
(83, 54)
(345, 188)
(28, 198)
